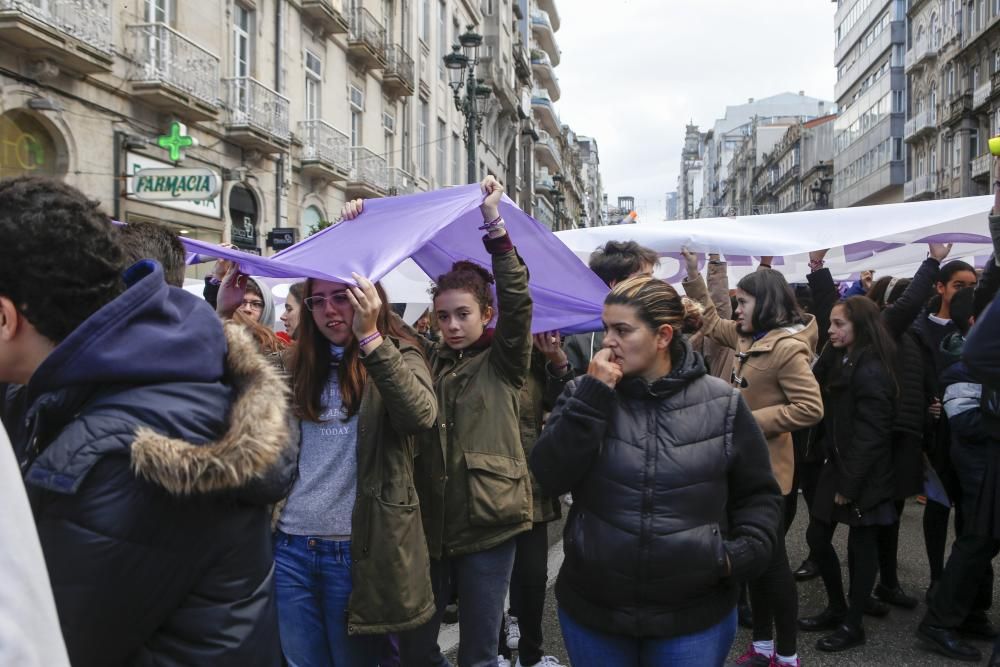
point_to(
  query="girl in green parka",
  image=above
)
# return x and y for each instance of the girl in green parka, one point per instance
(472, 478)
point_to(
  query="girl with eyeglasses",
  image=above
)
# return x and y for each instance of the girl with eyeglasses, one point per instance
(774, 343)
(351, 560)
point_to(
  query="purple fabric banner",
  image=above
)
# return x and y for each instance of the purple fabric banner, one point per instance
(436, 229)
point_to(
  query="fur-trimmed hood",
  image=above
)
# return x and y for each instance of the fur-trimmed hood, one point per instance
(250, 452)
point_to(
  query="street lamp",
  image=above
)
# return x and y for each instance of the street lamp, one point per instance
(559, 198)
(820, 191)
(461, 65)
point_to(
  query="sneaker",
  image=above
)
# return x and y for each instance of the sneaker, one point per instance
(775, 663)
(754, 659)
(546, 661)
(513, 631)
(502, 661)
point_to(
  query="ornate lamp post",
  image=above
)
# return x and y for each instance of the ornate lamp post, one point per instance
(461, 64)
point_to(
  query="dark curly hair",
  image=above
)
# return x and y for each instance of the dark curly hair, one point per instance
(151, 240)
(615, 261)
(60, 260)
(468, 277)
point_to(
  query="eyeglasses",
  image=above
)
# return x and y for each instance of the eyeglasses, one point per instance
(254, 305)
(337, 299)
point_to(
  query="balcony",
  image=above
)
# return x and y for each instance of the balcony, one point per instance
(327, 14)
(366, 40)
(399, 75)
(326, 151)
(72, 33)
(921, 187)
(982, 166)
(923, 123)
(959, 105)
(921, 52)
(541, 28)
(173, 73)
(548, 153)
(369, 176)
(982, 95)
(545, 74)
(545, 111)
(549, 7)
(500, 81)
(258, 116)
(401, 182)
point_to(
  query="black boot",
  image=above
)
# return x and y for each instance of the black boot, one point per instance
(808, 570)
(947, 643)
(843, 638)
(895, 596)
(876, 608)
(828, 619)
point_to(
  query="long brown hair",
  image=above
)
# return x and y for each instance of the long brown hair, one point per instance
(870, 333)
(312, 360)
(266, 340)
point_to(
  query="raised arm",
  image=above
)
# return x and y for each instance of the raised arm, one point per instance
(824, 294)
(723, 332)
(903, 311)
(718, 286)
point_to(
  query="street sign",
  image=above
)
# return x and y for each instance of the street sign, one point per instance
(175, 184)
(176, 141)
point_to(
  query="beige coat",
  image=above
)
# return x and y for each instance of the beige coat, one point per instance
(779, 384)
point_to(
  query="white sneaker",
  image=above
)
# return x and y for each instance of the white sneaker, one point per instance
(513, 632)
(502, 661)
(546, 661)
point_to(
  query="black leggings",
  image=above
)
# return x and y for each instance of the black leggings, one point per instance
(888, 546)
(862, 563)
(775, 601)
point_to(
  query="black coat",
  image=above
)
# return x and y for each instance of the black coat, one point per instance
(858, 408)
(150, 454)
(669, 480)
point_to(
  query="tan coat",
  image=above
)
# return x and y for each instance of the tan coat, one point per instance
(779, 384)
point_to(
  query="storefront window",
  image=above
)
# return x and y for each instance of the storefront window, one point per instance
(244, 214)
(26, 147)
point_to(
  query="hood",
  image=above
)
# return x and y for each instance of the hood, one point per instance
(253, 456)
(688, 367)
(266, 315)
(151, 333)
(808, 333)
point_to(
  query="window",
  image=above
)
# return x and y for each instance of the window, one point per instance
(456, 159)
(314, 79)
(442, 153)
(357, 114)
(443, 45)
(404, 13)
(949, 81)
(956, 155)
(920, 164)
(407, 138)
(932, 161)
(996, 123)
(387, 22)
(242, 31)
(389, 127)
(425, 21)
(975, 77)
(159, 11)
(973, 144)
(423, 159)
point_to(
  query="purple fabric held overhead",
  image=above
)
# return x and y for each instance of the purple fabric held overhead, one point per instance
(437, 229)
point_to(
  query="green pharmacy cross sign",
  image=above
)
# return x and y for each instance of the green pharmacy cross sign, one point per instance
(176, 141)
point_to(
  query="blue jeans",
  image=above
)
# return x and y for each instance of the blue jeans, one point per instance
(313, 583)
(707, 648)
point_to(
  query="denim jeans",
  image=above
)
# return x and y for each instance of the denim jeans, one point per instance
(313, 584)
(482, 579)
(707, 648)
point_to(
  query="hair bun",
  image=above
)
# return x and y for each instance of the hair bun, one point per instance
(693, 312)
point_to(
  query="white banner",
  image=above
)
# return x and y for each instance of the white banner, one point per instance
(891, 239)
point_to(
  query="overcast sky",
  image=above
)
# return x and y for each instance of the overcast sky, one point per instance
(635, 72)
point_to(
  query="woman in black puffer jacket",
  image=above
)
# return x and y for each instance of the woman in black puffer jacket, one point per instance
(674, 500)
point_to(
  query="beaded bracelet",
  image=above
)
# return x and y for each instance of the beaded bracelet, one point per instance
(816, 265)
(364, 341)
(488, 226)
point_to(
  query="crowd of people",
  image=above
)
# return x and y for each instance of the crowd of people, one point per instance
(199, 489)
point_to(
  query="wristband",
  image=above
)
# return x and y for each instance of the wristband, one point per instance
(816, 265)
(367, 339)
(766, 266)
(488, 226)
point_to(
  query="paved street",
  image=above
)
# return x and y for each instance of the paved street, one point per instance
(890, 640)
